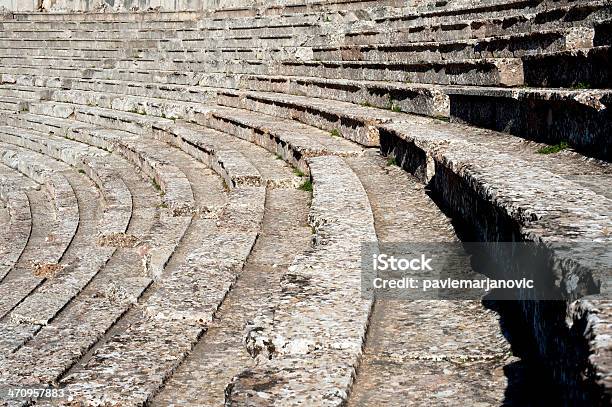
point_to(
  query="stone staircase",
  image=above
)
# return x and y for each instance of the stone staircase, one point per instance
(187, 196)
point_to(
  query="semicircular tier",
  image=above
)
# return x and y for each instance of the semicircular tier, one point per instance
(187, 196)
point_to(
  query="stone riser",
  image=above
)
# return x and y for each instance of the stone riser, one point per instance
(508, 47)
(505, 72)
(584, 127)
(548, 117)
(17, 232)
(453, 31)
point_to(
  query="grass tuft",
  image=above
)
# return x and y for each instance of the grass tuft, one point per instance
(156, 185)
(581, 85)
(335, 133)
(297, 172)
(391, 161)
(554, 148)
(306, 186)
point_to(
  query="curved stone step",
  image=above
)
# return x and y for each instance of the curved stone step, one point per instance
(436, 27)
(15, 237)
(403, 21)
(527, 198)
(109, 295)
(169, 179)
(481, 72)
(43, 253)
(290, 140)
(298, 346)
(501, 46)
(241, 161)
(90, 161)
(177, 312)
(101, 305)
(86, 256)
(202, 144)
(364, 125)
(284, 234)
(423, 339)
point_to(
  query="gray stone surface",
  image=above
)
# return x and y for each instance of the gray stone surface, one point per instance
(146, 115)
(47, 245)
(17, 215)
(305, 352)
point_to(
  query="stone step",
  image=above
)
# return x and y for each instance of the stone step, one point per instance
(179, 311)
(503, 46)
(52, 232)
(19, 224)
(275, 173)
(494, 108)
(485, 72)
(87, 116)
(389, 17)
(580, 117)
(230, 157)
(535, 214)
(350, 121)
(528, 204)
(289, 140)
(177, 196)
(285, 233)
(294, 350)
(103, 302)
(12, 104)
(110, 294)
(285, 9)
(87, 255)
(577, 68)
(449, 27)
(10, 92)
(134, 35)
(204, 144)
(166, 108)
(503, 72)
(206, 28)
(428, 350)
(147, 155)
(360, 123)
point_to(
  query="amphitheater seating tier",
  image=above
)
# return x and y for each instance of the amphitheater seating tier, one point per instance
(187, 196)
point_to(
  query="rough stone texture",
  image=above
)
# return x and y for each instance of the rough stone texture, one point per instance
(136, 362)
(17, 209)
(307, 352)
(134, 112)
(418, 351)
(51, 241)
(221, 350)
